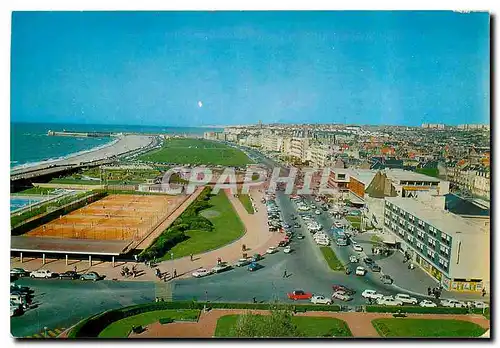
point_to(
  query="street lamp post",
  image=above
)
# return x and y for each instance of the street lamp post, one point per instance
(172, 257)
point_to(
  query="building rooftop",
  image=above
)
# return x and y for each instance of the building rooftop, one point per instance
(439, 218)
(406, 175)
(363, 175)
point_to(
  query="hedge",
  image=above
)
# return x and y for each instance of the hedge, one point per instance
(416, 309)
(188, 220)
(92, 326)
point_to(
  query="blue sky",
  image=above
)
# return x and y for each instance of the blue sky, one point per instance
(152, 68)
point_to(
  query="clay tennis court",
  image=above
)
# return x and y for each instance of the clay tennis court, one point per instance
(115, 217)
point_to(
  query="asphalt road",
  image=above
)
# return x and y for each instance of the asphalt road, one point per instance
(62, 303)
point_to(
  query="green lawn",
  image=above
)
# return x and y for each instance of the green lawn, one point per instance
(227, 227)
(197, 151)
(247, 203)
(376, 239)
(309, 326)
(121, 328)
(405, 327)
(332, 259)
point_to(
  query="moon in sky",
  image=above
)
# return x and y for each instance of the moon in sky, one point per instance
(200, 104)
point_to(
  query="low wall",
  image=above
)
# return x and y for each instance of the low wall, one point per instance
(69, 186)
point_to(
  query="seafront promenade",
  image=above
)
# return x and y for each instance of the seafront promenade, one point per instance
(124, 144)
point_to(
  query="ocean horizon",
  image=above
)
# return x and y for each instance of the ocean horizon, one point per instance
(30, 144)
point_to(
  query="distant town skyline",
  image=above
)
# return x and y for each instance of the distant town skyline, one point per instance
(236, 68)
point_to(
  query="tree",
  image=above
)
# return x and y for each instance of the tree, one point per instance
(277, 324)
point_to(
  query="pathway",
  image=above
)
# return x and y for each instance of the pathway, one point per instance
(359, 323)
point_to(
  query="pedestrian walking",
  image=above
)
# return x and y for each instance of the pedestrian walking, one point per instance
(284, 274)
(74, 269)
(191, 256)
(483, 293)
(135, 257)
(429, 291)
(175, 273)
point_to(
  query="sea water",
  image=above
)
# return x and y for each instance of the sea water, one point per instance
(29, 142)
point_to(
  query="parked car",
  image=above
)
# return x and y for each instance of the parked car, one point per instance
(341, 295)
(386, 279)
(296, 225)
(360, 271)
(339, 287)
(299, 295)
(271, 250)
(357, 247)
(94, 276)
(254, 266)
(320, 299)
(15, 309)
(371, 294)
(317, 212)
(243, 262)
(453, 303)
(287, 249)
(367, 261)
(68, 275)
(353, 259)
(20, 289)
(375, 268)
(300, 236)
(221, 267)
(479, 304)
(283, 243)
(427, 303)
(389, 301)
(406, 299)
(256, 257)
(19, 272)
(41, 273)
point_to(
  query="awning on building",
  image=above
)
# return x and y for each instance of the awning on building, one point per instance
(390, 240)
(355, 199)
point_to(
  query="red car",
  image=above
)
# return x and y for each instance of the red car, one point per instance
(299, 295)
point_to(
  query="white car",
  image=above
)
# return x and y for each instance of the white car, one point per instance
(479, 304)
(389, 301)
(287, 249)
(453, 303)
(317, 212)
(357, 247)
(341, 295)
(371, 294)
(427, 303)
(271, 250)
(323, 242)
(320, 299)
(201, 272)
(353, 259)
(406, 299)
(361, 271)
(41, 273)
(223, 266)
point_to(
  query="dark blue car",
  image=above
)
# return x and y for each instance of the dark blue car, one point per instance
(254, 266)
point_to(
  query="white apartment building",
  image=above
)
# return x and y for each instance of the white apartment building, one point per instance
(299, 147)
(318, 155)
(453, 250)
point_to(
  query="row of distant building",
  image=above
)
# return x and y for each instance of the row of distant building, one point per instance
(382, 169)
(460, 126)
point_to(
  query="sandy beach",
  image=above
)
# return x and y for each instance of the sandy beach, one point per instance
(123, 144)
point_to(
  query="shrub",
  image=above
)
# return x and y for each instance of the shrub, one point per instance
(166, 320)
(416, 309)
